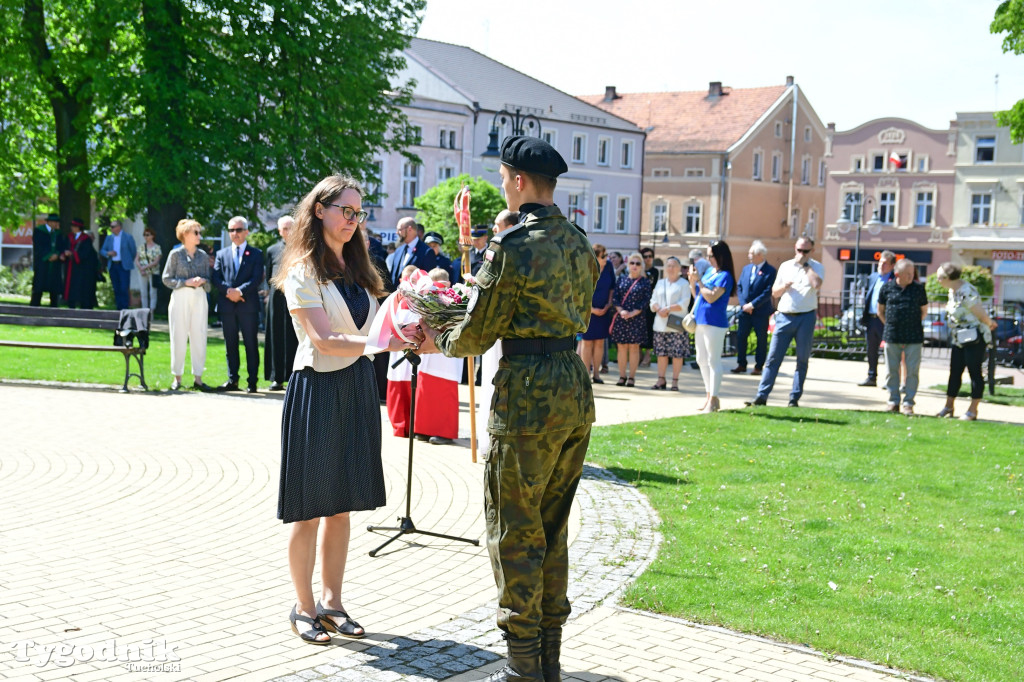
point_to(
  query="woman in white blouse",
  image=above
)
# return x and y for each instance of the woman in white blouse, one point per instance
(671, 295)
(330, 428)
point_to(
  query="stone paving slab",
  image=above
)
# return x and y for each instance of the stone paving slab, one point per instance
(155, 525)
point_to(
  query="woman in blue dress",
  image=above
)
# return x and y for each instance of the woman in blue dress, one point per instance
(629, 327)
(711, 295)
(601, 315)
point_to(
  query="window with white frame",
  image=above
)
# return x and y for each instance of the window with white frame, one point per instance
(576, 214)
(627, 154)
(794, 223)
(659, 217)
(812, 223)
(757, 166)
(887, 207)
(661, 173)
(445, 172)
(805, 171)
(600, 212)
(375, 183)
(904, 164)
(778, 129)
(981, 209)
(446, 138)
(821, 173)
(852, 201)
(776, 167)
(410, 183)
(622, 215)
(922, 163)
(551, 137)
(695, 172)
(924, 208)
(417, 134)
(604, 151)
(692, 225)
(985, 149)
(579, 148)
(857, 164)
(807, 134)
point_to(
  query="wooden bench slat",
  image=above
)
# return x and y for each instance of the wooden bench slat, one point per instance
(71, 323)
(46, 312)
(64, 346)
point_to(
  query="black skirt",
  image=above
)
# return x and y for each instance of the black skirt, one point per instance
(330, 444)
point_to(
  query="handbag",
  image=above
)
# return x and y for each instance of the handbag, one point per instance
(966, 335)
(676, 321)
(690, 323)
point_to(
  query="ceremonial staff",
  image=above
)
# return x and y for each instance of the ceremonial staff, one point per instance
(463, 221)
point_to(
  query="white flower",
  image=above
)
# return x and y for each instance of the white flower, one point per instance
(833, 585)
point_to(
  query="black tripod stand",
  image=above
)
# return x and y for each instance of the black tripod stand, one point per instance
(406, 526)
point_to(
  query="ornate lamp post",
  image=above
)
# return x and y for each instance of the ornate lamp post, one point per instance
(520, 125)
(845, 223)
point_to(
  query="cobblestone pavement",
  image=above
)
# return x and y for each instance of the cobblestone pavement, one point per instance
(121, 531)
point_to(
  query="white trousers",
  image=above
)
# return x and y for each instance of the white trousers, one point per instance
(709, 341)
(147, 291)
(186, 316)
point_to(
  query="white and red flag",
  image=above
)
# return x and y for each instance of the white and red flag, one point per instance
(394, 314)
(895, 160)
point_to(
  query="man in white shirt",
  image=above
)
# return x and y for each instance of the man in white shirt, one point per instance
(119, 250)
(796, 285)
(411, 251)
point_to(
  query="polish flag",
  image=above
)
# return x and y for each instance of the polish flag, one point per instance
(894, 159)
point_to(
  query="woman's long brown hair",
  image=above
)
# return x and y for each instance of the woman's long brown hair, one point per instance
(306, 243)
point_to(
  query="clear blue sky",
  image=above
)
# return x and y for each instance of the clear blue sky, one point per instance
(923, 60)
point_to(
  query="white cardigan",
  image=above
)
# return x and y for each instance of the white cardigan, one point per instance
(301, 290)
(665, 294)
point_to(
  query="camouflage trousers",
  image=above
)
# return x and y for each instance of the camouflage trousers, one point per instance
(529, 485)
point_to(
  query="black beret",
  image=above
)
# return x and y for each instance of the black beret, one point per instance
(532, 155)
(481, 231)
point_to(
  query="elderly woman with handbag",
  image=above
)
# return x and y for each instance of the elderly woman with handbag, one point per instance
(970, 333)
(671, 295)
(628, 329)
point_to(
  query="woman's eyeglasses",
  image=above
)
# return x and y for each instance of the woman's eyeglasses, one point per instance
(350, 213)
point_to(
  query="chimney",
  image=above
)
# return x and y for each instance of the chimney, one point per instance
(715, 89)
(832, 127)
(610, 95)
(789, 81)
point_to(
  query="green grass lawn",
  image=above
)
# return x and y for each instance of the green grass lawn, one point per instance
(106, 368)
(890, 539)
(1004, 395)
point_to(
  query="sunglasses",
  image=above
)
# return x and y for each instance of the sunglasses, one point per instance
(350, 213)
(635, 262)
(804, 250)
(236, 230)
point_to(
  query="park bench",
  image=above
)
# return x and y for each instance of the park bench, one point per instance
(131, 346)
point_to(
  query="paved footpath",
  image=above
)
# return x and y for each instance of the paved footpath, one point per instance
(147, 521)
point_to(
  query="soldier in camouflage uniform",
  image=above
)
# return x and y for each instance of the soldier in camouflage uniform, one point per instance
(535, 290)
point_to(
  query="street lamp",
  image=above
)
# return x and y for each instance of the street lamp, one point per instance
(520, 124)
(845, 223)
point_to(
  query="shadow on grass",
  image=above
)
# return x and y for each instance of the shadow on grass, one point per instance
(804, 418)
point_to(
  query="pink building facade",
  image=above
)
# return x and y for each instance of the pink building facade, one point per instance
(903, 173)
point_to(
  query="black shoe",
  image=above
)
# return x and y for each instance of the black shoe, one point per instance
(198, 386)
(276, 386)
(228, 386)
(438, 440)
(739, 370)
(420, 436)
(251, 389)
(756, 402)
(793, 403)
(868, 382)
(523, 664)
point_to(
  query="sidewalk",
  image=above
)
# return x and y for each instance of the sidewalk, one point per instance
(157, 522)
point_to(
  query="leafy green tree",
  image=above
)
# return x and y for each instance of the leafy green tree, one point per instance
(436, 212)
(1009, 19)
(977, 275)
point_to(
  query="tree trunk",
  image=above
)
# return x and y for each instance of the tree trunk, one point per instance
(162, 220)
(73, 195)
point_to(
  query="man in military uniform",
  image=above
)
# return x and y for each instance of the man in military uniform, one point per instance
(536, 283)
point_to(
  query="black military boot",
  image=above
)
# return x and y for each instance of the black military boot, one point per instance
(550, 650)
(523, 663)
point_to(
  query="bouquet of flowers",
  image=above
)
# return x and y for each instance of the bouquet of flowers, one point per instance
(440, 305)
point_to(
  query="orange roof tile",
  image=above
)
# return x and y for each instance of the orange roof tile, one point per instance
(691, 121)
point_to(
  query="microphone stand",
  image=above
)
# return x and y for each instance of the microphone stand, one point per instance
(405, 524)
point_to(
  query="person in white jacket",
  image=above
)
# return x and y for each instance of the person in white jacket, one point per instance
(671, 295)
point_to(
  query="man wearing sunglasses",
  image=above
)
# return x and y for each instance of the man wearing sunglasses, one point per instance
(796, 285)
(411, 251)
(237, 273)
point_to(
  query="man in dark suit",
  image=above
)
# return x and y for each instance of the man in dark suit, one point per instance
(411, 251)
(48, 244)
(237, 273)
(754, 291)
(873, 326)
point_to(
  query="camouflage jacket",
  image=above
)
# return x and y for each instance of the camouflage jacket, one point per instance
(537, 281)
